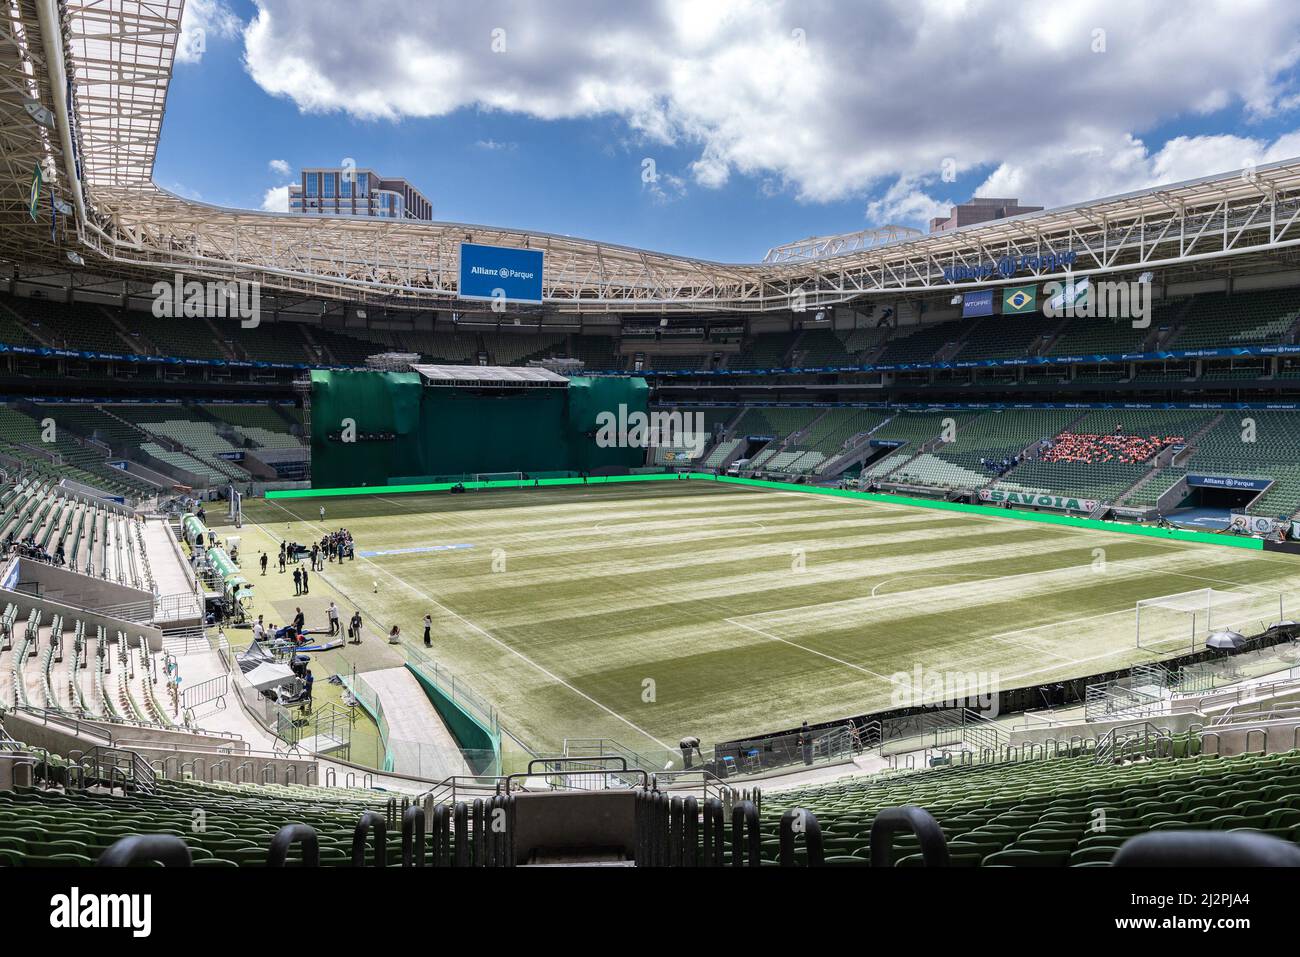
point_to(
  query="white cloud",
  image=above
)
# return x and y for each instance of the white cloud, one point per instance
(665, 188)
(494, 146)
(276, 199)
(202, 21)
(827, 105)
(279, 167)
(906, 202)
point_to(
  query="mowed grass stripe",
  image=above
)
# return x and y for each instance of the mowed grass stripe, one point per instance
(609, 611)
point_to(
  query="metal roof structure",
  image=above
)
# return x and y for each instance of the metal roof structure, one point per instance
(510, 377)
(102, 67)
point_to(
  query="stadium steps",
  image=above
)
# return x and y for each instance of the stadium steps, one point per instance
(315, 349)
(24, 325)
(1160, 469)
(223, 346)
(1044, 346)
(860, 446)
(1177, 324)
(133, 345)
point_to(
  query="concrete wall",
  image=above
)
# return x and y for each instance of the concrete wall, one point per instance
(26, 602)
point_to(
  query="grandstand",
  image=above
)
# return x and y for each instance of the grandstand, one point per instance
(240, 588)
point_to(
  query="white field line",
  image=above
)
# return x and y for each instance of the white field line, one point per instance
(522, 657)
(811, 651)
(975, 517)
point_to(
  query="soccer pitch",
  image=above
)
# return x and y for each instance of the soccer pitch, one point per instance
(646, 612)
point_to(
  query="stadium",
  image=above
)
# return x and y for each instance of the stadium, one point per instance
(971, 548)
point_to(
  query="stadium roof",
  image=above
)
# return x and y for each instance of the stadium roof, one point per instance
(509, 377)
(116, 57)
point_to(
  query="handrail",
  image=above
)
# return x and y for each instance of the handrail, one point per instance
(644, 776)
(368, 821)
(934, 846)
(798, 821)
(1206, 849)
(745, 837)
(166, 849)
(286, 837)
(413, 836)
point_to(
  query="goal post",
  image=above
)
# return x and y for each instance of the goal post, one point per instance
(486, 480)
(1185, 620)
(235, 510)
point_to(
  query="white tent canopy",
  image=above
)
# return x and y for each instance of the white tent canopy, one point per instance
(265, 677)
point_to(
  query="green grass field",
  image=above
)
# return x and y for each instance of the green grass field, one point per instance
(643, 613)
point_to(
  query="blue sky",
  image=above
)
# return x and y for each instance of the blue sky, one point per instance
(769, 123)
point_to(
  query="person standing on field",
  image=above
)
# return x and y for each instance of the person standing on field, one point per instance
(428, 631)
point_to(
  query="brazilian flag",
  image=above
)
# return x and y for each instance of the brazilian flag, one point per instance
(1019, 299)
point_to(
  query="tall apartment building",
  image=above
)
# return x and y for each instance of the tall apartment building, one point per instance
(347, 191)
(980, 209)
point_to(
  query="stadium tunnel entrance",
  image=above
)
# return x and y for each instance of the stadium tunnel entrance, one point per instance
(1218, 499)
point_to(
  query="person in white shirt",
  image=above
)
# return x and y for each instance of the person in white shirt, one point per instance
(334, 619)
(259, 630)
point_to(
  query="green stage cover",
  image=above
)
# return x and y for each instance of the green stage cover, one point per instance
(377, 428)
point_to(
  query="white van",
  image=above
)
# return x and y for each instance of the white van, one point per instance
(738, 466)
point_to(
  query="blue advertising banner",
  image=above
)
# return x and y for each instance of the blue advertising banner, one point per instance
(977, 304)
(1227, 481)
(499, 272)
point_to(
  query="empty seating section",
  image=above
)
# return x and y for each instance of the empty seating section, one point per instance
(250, 416)
(12, 332)
(714, 417)
(441, 345)
(1253, 444)
(764, 351)
(81, 327)
(187, 338)
(71, 830)
(921, 343)
(518, 349)
(828, 436)
(199, 437)
(596, 352)
(1084, 336)
(1006, 337)
(912, 430)
(267, 342)
(675, 361)
(824, 348)
(265, 427)
(776, 423)
(1044, 812)
(22, 437)
(721, 452)
(1243, 318)
(345, 349)
(93, 422)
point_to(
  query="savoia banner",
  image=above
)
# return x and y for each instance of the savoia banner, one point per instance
(1064, 502)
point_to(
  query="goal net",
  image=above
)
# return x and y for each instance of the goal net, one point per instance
(235, 510)
(485, 480)
(1171, 623)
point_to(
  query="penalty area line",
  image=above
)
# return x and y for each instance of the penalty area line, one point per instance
(497, 641)
(811, 651)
